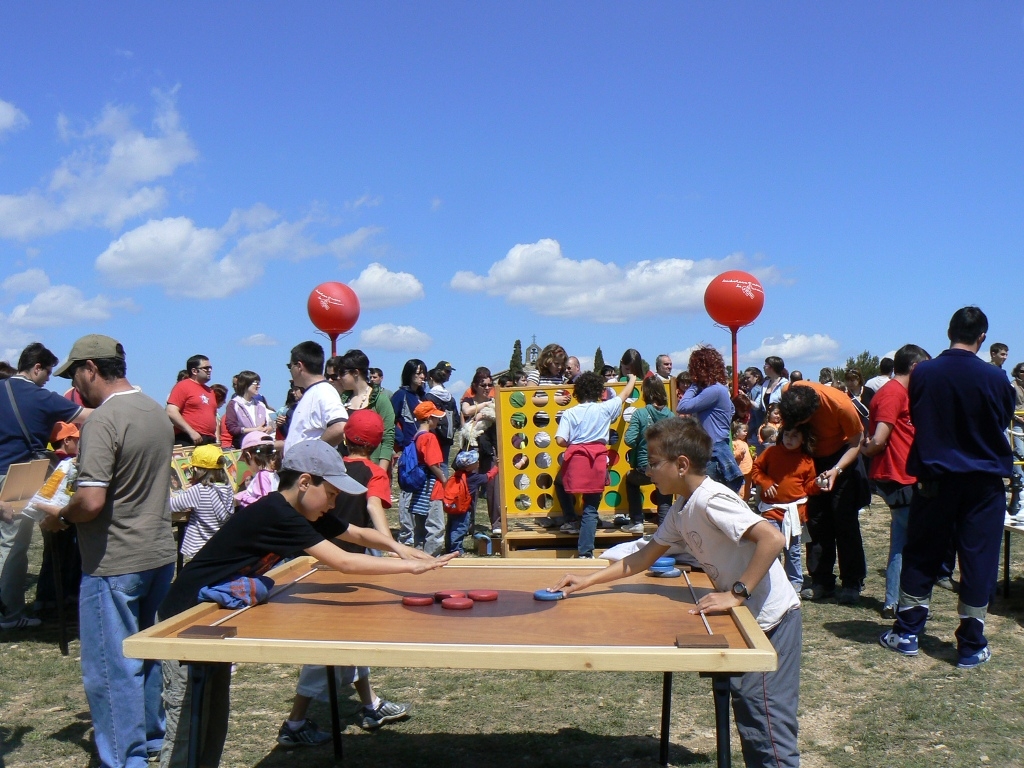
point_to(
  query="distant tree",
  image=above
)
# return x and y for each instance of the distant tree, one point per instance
(865, 362)
(515, 365)
(598, 360)
(645, 366)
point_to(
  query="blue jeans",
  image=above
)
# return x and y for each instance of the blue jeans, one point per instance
(456, 528)
(897, 540)
(792, 560)
(124, 694)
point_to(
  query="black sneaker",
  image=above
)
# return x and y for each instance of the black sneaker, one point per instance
(306, 736)
(388, 712)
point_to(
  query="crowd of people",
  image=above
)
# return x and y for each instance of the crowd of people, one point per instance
(929, 436)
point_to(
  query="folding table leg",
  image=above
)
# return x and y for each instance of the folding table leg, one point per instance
(332, 692)
(720, 691)
(199, 673)
(1006, 564)
(666, 716)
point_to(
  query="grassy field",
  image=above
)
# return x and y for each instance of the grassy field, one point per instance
(860, 704)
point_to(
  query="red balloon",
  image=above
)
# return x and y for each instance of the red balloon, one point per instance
(333, 308)
(734, 299)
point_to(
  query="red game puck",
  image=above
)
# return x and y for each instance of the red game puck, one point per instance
(417, 600)
(457, 603)
(446, 593)
(482, 595)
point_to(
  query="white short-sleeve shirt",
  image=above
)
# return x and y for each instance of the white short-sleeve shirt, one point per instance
(319, 407)
(589, 422)
(711, 524)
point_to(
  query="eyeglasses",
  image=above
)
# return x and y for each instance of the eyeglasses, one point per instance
(289, 366)
(332, 376)
(206, 368)
(652, 465)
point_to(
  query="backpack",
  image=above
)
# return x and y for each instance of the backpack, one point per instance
(457, 498)
(411, 474)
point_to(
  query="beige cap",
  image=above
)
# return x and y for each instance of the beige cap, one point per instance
(92, 347)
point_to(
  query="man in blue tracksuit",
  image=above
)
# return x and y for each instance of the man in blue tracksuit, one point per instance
(960, 407)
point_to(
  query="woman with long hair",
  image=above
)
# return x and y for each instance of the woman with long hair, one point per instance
(551, 363)
(478, 405)
(631, 364)
(245, 413)
(776, 376)
(708, 400)
(404, 403)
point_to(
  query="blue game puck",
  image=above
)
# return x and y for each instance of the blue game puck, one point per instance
(543, 594)
(672, 573)
(664, 562)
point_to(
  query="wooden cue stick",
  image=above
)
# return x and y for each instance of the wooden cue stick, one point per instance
(694, 595)
(275, 591)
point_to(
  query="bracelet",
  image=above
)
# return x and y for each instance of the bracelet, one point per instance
(64, 520)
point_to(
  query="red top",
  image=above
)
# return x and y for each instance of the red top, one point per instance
(429, 451)
(225, 436)
(197, 404)
(792, 471)
(891, 405)
(379, 485)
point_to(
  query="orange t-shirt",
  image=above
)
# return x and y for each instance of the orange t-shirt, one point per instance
(835, 422)
(429, 451)
(742, 453)
(792, 471)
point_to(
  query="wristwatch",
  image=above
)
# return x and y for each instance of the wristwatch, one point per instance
(68, 522)
(739, 589)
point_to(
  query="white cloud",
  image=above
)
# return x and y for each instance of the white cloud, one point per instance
(436, 203)
(11, 118)
(396, 338)
(29, 281)
(798, 346)
(378, 288)
(258, 340)
(366, 201)
(107, 179)
(205, 263)
(586, 362)
(539, 276)
(60, 305)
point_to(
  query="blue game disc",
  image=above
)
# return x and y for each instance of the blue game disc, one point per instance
(660, 568)
(543, 594)
(665, 562)
(673, 573)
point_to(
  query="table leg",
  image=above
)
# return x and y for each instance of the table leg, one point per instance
(49, 543)
(720, 691)
(666, 716)
(199, 673)
(1006, 563)
(332, 692)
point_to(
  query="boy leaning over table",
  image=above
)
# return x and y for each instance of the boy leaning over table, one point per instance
(277, 526)
(739, 551)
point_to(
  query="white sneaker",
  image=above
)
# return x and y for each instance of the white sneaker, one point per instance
(636, 528)
(570, 528)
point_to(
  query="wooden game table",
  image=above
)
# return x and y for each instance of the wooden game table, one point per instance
(319, 616)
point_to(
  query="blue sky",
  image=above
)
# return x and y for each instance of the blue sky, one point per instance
(181, 175)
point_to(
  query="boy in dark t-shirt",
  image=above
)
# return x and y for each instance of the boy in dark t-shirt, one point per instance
(282, 524)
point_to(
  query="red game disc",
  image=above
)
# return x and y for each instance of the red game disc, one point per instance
(446, 593)
(457, 603)
(482, 595)
(417, 600)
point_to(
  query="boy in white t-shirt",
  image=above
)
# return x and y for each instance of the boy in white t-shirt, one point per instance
(739, 551)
